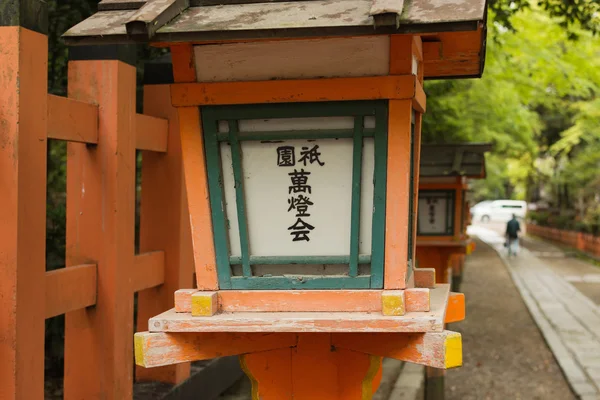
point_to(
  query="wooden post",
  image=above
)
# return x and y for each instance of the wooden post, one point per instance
(164, 225)
(100, 227)
(23, 97)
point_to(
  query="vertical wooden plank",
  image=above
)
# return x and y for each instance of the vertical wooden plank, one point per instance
(401, 54)
(196, 183)
(100, 229)
(270, 373)
(458, 207)
(182, 55)
(164, 225)
(397, 203)
(23, 103)
(314, 368)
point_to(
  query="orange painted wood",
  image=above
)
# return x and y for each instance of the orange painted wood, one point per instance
(164, 225)
(23, 105)
(182, 56)
(420, 99)
(270, 373)
(151, 133)
(420, 348)
(196, 182)
(456, 53)
(158, 349)
(183, 300)
(288, 300)
(437, 254)
(359, 374)
(397, 194)
(401, 54)
(455, 311)
(313, 369)
(296, 90)
(100, 228)
(148, 270)
(417, 300)
(72, 120)
(424, 277)
(70, 289)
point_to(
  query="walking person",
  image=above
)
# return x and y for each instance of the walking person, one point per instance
(512, 235)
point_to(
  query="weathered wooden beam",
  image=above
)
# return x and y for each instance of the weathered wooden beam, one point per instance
(433, 349)
(157, 349)
(72, 120)
(420, 99)
(111, 5)
(70, 289)
(296, 90)
(148, 270)
(151, 133)
(153, 15)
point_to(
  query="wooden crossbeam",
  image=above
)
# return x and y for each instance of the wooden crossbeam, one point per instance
(433, 349)
(295, 90)
(72, 120)
(151, 133)
(148, 270)
(70, 289)
(158, 349)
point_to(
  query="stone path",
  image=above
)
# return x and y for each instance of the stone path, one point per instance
(568, 320)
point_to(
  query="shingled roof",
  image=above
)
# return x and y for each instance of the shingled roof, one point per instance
(444, 160)
(120, 21)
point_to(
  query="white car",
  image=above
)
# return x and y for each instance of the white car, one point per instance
(498, 210)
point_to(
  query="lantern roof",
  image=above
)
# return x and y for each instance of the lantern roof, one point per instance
(216, 21)
(446, 160)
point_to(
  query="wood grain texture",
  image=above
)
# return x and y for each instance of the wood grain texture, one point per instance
(300, 90)
(164, 224)
(196, 183)
(293, 59)
(417, 299)
(72, 120)
(434, 349)
(151, 133)
(398, 181)
(23, 113)
(100, 227)
(160, 349)
(70, 289)
(183, 299)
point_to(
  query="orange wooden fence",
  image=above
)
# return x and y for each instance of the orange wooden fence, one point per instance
(96, 289)
(578, 240)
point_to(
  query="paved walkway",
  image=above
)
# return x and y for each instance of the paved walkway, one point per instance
(568, 320)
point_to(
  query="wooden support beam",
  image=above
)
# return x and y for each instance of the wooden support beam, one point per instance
(296, 90)
(70, 289)
(23, 105)
(159, 349)
(420, 99)
(433, 349)
(72, 120)
(288, 300)
(151, 133)
(148, 270)
(100, 227)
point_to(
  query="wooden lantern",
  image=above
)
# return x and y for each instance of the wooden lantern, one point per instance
(300, 133)
(443, 215)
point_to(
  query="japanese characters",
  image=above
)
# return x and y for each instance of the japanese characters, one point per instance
(299, 202)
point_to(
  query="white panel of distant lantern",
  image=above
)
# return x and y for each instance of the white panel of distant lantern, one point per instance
(439, 205)
(366, 196)
(230, 205)
(267, 194)
(295, 124)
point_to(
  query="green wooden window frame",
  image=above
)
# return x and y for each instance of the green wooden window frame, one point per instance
(449, 195)
(232, 114)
